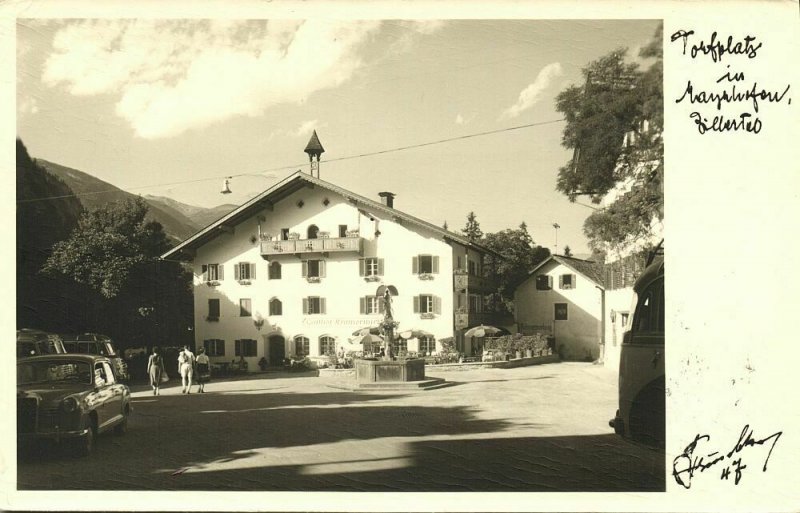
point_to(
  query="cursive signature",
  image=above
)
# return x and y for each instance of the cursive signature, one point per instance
(689, 463)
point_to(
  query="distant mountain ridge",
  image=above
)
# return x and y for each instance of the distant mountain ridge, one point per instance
(179, 220)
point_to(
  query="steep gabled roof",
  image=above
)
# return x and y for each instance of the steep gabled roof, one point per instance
(586, 268)
(289, 185)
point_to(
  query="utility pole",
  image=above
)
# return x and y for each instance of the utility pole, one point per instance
(556, 226)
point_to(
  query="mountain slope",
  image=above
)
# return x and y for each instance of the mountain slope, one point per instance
(93, 192)
(200, 216)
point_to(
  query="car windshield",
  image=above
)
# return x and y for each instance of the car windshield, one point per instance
(53, 371)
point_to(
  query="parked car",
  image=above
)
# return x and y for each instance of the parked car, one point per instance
(69, 397)
(36, 342)
(93, 343)
(641, 414)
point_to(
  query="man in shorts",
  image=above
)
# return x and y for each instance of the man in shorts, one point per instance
(186, 368)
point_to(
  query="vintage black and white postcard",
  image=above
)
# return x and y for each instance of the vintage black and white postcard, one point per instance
(308, 256)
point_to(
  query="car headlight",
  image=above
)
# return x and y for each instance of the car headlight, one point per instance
(69, 404)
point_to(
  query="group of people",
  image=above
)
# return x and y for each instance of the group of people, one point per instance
(188, 364)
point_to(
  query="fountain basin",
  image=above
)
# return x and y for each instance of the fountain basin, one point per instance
(390, 371)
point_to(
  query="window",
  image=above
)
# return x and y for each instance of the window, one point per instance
(110, 379)
(275, 306)
(370, 267)
(649, 315)
(301, 346)
(214, 347)
(99, 375)
(313, 231)
(459, 262)
(544, 282)
(473, 267)
(213, 272)
(400, 346)
(566, 281)
(213, 309)
(245, 347)
(427, 304)
(425, 264)
(475, 303)
(371, 305)
(275, 271)
(327, 345)
(342, 230)
(623, 318)
(313, 305)
(245, 308)
(284, 234)
(427, 345)
(560, 311)
(245, 271)
(313, 269)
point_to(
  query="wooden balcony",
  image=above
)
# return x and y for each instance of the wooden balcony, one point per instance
(463, 281)
(467, 319)
(304, 246)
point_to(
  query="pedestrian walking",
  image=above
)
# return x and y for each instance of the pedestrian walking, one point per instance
(155, 369)
(203, 370)
(186, 366)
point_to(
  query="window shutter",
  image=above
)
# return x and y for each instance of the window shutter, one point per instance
(236, 273)
(381, 306)
(437, 305)
(550, 282)
(322, 308)
(415, 265)
(238, 348)
(416, 303)
(205, 272)
(380, 267)
(305, 305)
(221, 271)
(253, 271)
(305, 268)
(362, 265)
(363, 302)
(435, 264)
(561, 281)
(322, 268)
(574, 280)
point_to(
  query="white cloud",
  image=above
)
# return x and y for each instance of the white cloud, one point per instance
(303, 129)
(410, 30)
(172, 76)
(530, 95)
(461, 120)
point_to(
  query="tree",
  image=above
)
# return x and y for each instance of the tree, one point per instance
(114, 251)
(472, 230)
(520, 255)
(567, 251)
(616, 99)
(444, 226)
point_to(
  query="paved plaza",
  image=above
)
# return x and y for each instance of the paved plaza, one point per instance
(542, 428)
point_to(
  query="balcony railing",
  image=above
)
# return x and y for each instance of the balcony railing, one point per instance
(299, 246)
(463, 281)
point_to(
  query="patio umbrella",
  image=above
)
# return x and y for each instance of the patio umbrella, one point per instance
(485, 331)
(366, 338)
(407, 334)
(373, 330)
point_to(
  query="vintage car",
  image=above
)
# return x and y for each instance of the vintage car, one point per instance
(69, 397)
(93, 343)
(641, 414)
(35, 342)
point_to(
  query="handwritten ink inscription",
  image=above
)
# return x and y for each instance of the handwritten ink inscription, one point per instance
(730, 465)
(733, 87)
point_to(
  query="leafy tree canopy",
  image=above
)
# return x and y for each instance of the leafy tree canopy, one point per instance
(107, 247)
(521, 255)
(616, 99)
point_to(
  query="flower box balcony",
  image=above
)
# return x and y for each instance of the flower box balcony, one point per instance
(304, 246)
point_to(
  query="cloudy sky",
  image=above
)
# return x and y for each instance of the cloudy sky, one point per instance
(171, 107)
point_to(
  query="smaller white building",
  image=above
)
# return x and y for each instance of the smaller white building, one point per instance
(564, 297)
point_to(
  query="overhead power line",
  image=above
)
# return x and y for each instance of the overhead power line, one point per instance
(294, 166)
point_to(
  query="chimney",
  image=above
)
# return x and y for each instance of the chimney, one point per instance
(387, 198)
